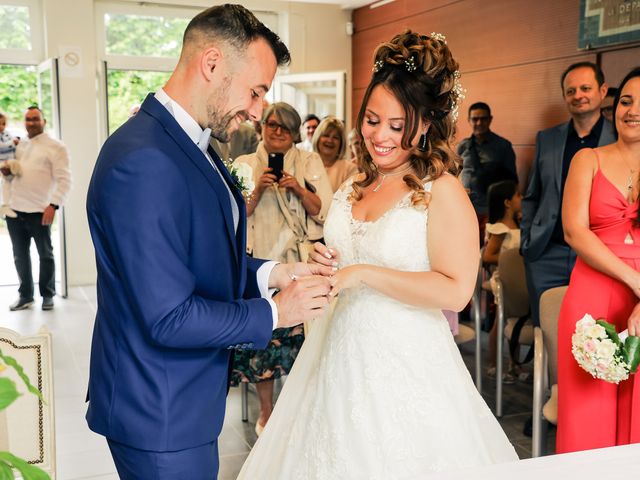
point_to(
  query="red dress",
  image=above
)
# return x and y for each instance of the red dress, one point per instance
(593, 413)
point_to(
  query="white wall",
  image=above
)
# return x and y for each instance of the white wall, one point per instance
(317, 39)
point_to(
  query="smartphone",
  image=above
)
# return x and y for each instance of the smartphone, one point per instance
(276, 163)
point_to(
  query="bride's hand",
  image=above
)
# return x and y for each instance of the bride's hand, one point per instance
(324, 255)
(347, 277)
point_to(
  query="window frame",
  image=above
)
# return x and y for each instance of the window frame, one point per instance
(24, 56)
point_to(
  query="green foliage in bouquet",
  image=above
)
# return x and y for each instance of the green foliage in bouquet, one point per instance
(8, 394)
(629, 351)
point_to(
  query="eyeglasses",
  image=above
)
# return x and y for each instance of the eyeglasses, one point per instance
(274, 126)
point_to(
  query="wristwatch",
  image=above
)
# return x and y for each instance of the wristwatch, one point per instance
(55, 207)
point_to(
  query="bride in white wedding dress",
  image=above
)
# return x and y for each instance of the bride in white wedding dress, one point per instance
(379, 390)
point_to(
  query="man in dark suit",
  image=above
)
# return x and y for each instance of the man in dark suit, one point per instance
(486, 158)
(176, 292)
(548, 259)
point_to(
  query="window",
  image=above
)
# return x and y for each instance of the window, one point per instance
(19, 90)
(140, 45)
(20, 32)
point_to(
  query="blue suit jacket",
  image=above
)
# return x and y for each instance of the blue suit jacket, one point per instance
(542, 201)
(176, 291)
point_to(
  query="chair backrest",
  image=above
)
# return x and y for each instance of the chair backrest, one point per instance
(27, 427)
(550, 303)
(514, 283)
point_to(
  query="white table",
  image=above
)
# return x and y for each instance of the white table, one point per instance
(600, 464)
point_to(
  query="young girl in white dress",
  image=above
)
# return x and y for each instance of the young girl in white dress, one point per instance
(379, 390)
(503, 233)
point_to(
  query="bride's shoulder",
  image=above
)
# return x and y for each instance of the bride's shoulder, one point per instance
(447, 187)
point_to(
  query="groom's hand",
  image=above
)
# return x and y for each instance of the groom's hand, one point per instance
(304, 299)
(283, 274)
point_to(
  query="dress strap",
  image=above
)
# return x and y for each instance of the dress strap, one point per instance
(597, 157)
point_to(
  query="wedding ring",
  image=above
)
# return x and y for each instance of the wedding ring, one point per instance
(293, 276)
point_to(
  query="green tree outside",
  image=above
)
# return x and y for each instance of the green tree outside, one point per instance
(18, 90)
(128, 88)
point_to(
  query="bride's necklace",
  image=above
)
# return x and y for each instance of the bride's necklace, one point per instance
(392, 174)
(631, 171)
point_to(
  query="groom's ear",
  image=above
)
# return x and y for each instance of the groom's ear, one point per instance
(210, 60)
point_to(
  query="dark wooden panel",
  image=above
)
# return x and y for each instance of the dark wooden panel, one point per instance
(617, 64)
(485, 35)
(356, 101)
(523, 99)
(365, 17)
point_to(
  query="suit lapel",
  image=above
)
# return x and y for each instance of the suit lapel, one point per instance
(559, 144)
(606, 135)
(239, 237)
(158, 111)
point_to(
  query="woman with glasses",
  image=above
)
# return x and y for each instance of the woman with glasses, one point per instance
(285, 213)
(329, 142)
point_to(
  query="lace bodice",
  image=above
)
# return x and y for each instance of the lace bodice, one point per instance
(396, 240)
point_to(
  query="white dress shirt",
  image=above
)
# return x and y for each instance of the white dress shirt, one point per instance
(45, 176)
(201, 139)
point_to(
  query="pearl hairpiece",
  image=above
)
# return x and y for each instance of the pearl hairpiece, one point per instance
(438, 36)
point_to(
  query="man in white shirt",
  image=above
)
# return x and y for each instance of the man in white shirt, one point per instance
(35, 196)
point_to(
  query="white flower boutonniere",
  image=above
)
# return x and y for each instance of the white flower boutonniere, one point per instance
(242, 175)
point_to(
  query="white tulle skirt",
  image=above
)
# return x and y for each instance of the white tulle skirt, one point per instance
(378, 391)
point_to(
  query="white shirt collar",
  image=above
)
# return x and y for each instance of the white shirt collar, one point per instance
(187, 123)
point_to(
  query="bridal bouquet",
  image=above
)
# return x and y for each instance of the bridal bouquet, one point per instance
(242, 175)
(600, 351)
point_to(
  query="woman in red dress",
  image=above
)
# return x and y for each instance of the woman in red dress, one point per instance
(601, 219)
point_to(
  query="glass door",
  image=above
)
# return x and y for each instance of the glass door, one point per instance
(49, 103)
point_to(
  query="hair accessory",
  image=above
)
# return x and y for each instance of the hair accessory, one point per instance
(422, 144)
(377, 66)
(438, 36)
(410, 64)
(459, 94)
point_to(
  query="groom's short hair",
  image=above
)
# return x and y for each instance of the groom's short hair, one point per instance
(236, 26)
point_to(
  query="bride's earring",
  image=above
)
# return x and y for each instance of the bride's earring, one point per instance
(422, 143)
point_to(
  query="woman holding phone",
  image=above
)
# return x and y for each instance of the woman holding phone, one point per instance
(286, 210)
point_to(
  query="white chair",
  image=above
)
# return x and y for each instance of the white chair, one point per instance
(512, 302)
(545, 362)
(27, 426)
(478, 309)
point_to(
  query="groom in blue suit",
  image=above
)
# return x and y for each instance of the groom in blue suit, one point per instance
(176, 291)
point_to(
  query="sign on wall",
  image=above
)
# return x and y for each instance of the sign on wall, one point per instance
(608, 22)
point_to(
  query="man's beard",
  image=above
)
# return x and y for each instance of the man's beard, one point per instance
(218, 121)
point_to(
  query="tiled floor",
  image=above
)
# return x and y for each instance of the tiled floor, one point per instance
(83, 455)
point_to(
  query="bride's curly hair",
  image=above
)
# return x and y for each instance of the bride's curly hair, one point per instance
(421, 73)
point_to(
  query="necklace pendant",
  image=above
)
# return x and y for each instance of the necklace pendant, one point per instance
(377, 187)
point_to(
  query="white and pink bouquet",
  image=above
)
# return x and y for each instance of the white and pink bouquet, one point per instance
(600, 351)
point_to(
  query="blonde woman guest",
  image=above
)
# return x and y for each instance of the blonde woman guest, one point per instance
(329, 142)
(282, 213)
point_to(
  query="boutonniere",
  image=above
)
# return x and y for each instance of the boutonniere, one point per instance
(242, 175)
